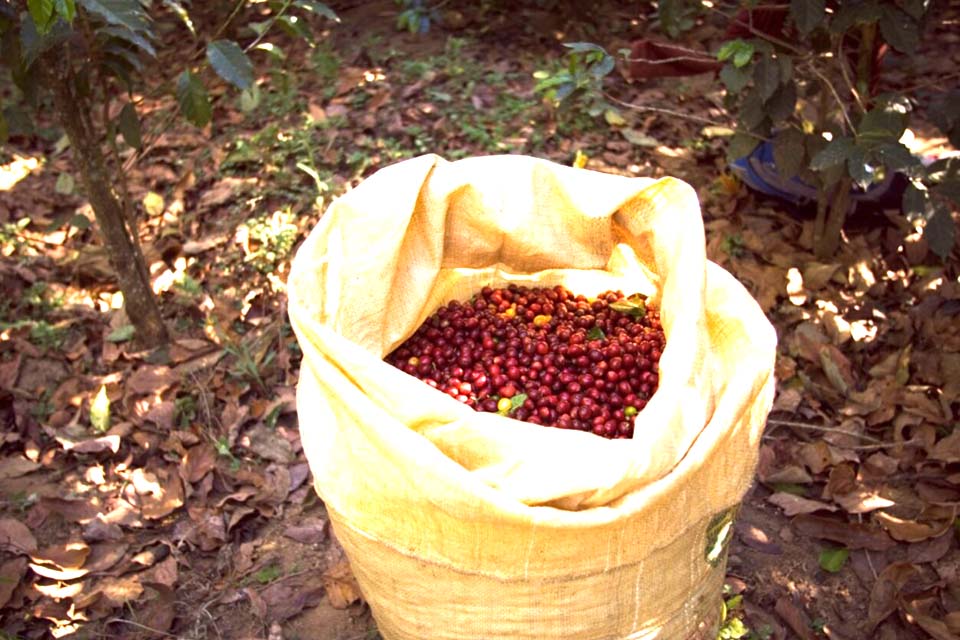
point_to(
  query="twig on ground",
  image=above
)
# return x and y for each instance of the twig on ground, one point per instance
(666, 112)
(142, 626)
(866, 552)
(864, 447)
(816, 427)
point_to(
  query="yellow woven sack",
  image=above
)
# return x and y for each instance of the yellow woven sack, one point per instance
(462, 525)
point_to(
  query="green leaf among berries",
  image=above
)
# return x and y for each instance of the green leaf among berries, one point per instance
(635, 306)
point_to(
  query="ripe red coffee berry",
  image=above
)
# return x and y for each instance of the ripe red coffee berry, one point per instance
(542, 355)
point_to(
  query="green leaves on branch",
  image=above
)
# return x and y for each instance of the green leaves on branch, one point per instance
(231, 63)
(193, 99)
(318, 8)
(881, 125)
(598, 62)
(740, 52)
(587, 66)
(122, 13)
(789, 152)
(933, 207)
(835, 153)
(808, 14)
(42, 13)
(900, 30)
(129, 125)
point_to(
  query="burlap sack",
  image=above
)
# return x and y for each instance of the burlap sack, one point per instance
(465, 525)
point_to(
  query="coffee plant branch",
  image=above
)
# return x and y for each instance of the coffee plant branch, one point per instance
(667, 112)
(836, 95)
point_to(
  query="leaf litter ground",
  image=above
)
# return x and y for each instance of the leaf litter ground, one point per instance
(190, 513)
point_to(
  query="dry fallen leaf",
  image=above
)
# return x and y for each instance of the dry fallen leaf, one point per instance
(836, 366)
(104, 556)
(58, 589)
(164, 573)
(853, 535)
(16, 537)
(117, 591)
(883, 595)
(310, 531)
(816, 275)
(910, 530)
(953, 621)
(158, 612)
(198, 462)
(289, 596)
(795, 618)
(776, 466)
(760, 619)
(161, 494)
(947, 449)
(16, 466)
(71, 555)
(342, 587)
(862, 500)
(266, 443)
(152, 379)
(109, 442)
(938, 629)
(793, 504)
(79, 511)
(97, 530)
(209, 531)
(11, 573)
(930, 550)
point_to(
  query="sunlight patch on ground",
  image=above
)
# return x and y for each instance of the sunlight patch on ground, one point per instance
(15, 171)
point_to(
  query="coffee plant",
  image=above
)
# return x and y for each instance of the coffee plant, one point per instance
(84, 63)
(806, 77)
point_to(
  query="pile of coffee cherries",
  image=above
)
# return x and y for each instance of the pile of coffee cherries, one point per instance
(542, 355)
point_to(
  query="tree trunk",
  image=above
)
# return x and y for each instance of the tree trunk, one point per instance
(829, 223)
(72, 111)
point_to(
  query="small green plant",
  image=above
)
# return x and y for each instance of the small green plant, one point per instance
(43, 408)
(21, 501)
(416, 16)
(580, 80)
(11, 235)
(187, 287)
(46, 335)
(731, 625)
(40, 300)
(271, 238)
(222, 446)
(732, 245)
(326, 67)
(268, 574)
(248, 364)
(185, 410)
